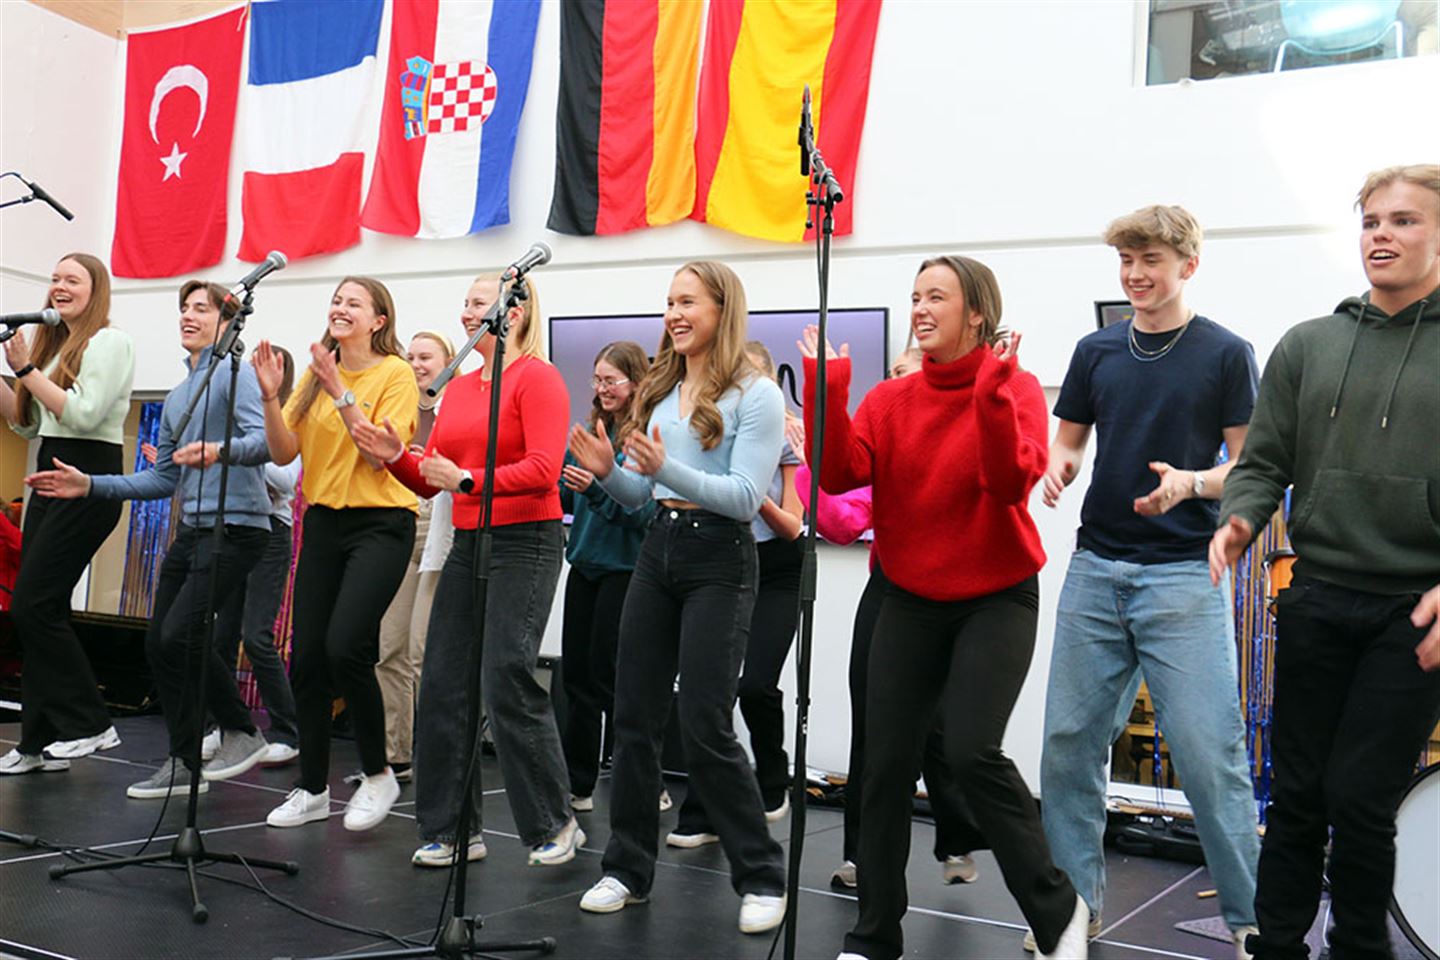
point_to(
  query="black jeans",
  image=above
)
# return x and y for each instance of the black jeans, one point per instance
(351, 563)
(179, 625)
(588, 643)
(1353, 710)
(59, 696)
(969, 658)
(524, 569)
(249, 616)
(772, 630)
(688, 611)
(955, 829)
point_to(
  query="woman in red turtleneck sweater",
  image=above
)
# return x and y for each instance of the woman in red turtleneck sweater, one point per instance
(952, 455)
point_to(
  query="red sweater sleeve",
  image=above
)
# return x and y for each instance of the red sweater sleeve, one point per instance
(1012, 425)
(848, 458)
(407, 471)
(544, 407)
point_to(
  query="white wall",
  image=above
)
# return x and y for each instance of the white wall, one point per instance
(1010, 132)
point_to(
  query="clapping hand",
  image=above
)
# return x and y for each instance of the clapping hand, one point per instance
(644, 455)
(381, 445)
(576, 478)
(810, 345)
(592, 451)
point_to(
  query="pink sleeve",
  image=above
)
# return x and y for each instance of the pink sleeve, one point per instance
(839, 518)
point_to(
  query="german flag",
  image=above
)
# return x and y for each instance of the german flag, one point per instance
(625, 125)
(759, 55)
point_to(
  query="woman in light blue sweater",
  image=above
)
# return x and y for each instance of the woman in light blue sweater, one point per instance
(703, 439)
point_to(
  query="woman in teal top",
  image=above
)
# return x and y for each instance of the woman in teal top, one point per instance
(72, 390)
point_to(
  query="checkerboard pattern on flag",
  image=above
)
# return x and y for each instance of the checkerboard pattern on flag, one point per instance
(458, 76)
(462, 95)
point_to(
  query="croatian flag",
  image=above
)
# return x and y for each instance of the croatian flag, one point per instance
(459, 71)
(312, 65)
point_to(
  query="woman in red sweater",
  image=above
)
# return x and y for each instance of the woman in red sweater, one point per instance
(525, 565)
(956, 627)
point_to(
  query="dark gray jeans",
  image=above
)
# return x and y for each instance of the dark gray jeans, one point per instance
(525, 566)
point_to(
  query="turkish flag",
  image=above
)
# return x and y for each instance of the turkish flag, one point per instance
(181, 86)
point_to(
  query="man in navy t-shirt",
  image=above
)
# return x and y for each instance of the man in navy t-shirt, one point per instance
(1161, 392)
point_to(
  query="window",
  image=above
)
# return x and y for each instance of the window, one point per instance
(1205, 39)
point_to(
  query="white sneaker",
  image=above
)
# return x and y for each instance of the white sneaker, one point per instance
(210, 745)
(72, 749)
(959, 869)
(1092, 931)
(372, 801)
(17, 762)
(301, 807)
(559, 848)
(689, 841)
(439, 854)
(608, 896)
(760, 912)
(582, 804)
(1074, 942)
(278, 754)
(847, 955)
(665, 802)
(1241, 953)
(772, 816)
(844, 876)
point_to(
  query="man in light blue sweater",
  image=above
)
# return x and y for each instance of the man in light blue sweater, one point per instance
(183, 606)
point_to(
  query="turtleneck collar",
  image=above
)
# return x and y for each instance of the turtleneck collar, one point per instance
(957, 373)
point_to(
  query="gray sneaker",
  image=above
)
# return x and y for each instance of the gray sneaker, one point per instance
(171, 780)
(239, 751)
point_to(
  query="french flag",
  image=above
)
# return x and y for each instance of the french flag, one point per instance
(459, 72)
(312, 66)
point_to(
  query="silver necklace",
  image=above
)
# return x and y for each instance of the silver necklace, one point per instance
(1150, 356)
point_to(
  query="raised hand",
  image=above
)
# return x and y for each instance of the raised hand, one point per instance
(593, 451)
(809, 345)
(196, 454)
(269, 368)
(380, 444)
(1175, 487)
(1226, 546)
(576, 478)
(324, 369)
(645, 455)
(64, 482)
(795, 436)
(17, 351)
(1008, 347)
(150, 452)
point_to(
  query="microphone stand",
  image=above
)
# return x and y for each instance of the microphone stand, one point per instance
(457, 937)
(822, 193)
(189, 847)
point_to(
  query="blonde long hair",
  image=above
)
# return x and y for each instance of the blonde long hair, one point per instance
(383, 339)
(728, 367)
(69, 339)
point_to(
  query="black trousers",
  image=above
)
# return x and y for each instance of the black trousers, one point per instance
(179, 631)
(248, 617)
(969, 658)
(59, 697)
(955, 829)
(772, 630)
(588, 641)
(1353, 710)
(688, 611)
(351, 563)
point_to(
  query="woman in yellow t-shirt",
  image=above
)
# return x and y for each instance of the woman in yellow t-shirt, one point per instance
(359, 529)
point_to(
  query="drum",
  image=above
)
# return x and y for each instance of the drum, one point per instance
(1417, 863)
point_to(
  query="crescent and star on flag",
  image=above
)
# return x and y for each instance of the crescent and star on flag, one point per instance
(176, 78)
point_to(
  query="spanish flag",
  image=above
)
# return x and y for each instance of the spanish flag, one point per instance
(625, 124)
(759, 55)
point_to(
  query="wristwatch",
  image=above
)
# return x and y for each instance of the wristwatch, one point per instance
(1199, 488)
(467, 482)
(346, 399)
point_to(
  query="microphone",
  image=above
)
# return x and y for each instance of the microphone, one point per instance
(40, 194)
(274, 260)
(538, 255)
(49, 316)
(807, 133)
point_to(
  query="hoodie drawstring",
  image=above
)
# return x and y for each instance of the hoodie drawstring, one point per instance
(1359, 322)
(1394, 384)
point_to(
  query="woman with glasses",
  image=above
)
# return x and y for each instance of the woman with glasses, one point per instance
(604, 542)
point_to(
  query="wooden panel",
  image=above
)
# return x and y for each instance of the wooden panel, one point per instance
(114, 17)
(106, 16)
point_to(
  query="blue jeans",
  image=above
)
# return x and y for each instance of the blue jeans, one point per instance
(1166, 620)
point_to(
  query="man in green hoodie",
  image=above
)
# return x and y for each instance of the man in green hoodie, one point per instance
(1349, 412)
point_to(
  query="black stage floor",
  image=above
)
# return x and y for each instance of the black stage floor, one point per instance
(366, 880)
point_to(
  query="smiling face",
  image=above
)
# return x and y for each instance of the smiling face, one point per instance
(352, 314)
(199, 320)
(1154, 276)
(692, 317)
(1400, 244)
(942, 325)
(613, 395)
(427, 359)
(70, 288)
